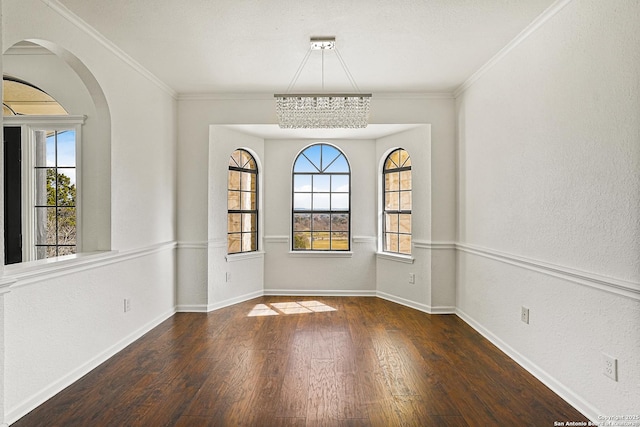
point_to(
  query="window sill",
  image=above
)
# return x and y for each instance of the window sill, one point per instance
(34, 270)
(37, 271)
(244, 256)
(321, 254)
(407, 259)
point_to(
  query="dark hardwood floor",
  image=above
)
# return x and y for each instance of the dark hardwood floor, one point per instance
(340, 361)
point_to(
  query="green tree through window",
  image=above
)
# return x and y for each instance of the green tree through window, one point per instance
(56, 219)
(61, 222)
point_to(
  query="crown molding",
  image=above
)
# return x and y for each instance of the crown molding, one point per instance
(412, 95)
(74, 19)
(224, 96)
(261, 96)
(548, 13)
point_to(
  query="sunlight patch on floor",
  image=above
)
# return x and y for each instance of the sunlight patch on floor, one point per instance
(292, 307)
(261, 310)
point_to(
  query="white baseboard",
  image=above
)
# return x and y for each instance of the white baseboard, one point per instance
(27, 405)
(192, 308)
(558, 388)
(416, 305)
(318, 293)
(205, 308)
(235, 300)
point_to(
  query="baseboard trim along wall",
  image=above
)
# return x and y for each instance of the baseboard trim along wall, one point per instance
(14, 414)
(192, 308)
(232, 301)
(317, 293)
(558, 388)
(416, 305)
(205, 308)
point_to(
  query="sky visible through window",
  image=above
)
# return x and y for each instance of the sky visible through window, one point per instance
(319, 188)
(66, 153)
(321, 202)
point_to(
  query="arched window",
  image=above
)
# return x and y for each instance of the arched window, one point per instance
(321, 200)
(21, 98)
(397, 203)
(242, 203)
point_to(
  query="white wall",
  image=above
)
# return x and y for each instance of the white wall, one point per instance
(63, 318)
(392, 273)
(310, 273)
(549, 203)
(548, 213)
(197, 112)
(60, 327)
(245, 272)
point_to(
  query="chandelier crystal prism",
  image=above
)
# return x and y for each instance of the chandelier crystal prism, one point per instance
(323, 110)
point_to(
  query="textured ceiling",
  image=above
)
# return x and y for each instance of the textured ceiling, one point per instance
(256, 46)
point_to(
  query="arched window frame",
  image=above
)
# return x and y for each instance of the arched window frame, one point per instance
(317, 228)
(397, 203)
(75, 87)
(242, 203)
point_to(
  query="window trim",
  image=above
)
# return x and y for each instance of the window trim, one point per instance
(329, 252)
(255, 211)
(29, 125)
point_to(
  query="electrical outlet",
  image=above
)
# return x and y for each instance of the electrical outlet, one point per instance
(412, 278)
(524, 315)
(127, 304)
(228, 276)
(610, 366)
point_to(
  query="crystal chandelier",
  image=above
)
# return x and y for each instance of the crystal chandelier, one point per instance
(323, 110)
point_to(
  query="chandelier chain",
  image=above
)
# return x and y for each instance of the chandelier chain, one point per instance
(346, 71)
(294, 80)
(323, 110)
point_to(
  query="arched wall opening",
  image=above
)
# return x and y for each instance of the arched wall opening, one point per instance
(62, 75)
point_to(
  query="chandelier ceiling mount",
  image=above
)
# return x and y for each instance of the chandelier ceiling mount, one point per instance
(323, 110)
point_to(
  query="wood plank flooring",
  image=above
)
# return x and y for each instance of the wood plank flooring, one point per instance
(327, 361)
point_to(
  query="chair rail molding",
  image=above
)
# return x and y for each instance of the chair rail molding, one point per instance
(604, 283)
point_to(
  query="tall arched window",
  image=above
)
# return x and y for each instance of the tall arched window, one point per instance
(397, 203)
(242, 203)
(321, 200)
